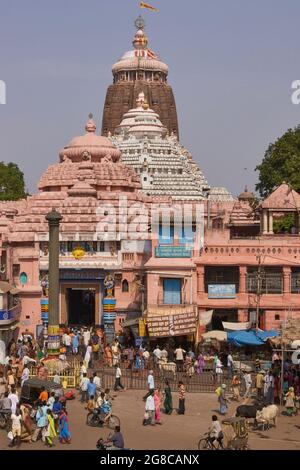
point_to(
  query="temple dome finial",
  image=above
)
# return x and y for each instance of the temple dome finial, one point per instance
(90, 125)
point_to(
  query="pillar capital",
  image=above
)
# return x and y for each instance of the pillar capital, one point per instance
(54, 218)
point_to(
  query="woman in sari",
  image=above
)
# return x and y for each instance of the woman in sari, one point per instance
(200, 364)
(157, 402)
(27, 425)
(64, 429)
(168, 402)
(51, 431)
(108, 356)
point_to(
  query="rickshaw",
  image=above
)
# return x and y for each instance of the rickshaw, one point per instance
(32, 388)
(234, 436)
(235, 433)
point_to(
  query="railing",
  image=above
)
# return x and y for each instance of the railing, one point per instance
(270, 283)
(128, 257)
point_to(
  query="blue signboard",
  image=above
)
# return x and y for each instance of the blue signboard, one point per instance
(221, 291)
(172, 252)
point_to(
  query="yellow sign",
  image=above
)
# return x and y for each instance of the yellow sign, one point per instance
(78, 253)
(142, 327)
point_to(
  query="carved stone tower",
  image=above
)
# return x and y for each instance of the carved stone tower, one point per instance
(139, 70)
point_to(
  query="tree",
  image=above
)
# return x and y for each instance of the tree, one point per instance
(12, 186)
(281, 163)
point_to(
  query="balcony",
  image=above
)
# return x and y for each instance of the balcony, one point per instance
(91, 260)
(7, 317)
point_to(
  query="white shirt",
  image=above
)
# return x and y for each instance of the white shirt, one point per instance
(157, 353)
(16, 421)
(82, 370)
(26, 360)
(151, 382)
(215, 429)
(97, 382)
(229, 360)
(84, 383)
(146, 354)
(179, 354)
(118, 373)
(164, 354)
(14, 401)
(150, 405)
(219, 366)
(68, 340)
(25, 375)
(86, 337)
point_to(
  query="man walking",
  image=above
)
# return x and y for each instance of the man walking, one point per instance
(118, 379)
(150, 407)
(260, 380)
(91, 388)
(181, 406)
(83, 388)
(97, 382)
(179, 354)
(248, 384)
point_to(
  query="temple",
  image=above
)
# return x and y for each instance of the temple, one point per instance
(165, 167)
(139, 70)
(122, 264)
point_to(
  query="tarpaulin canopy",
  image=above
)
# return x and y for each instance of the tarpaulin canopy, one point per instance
(236, 326)
(250, 337)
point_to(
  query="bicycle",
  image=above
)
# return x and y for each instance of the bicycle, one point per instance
(206, 444)
(96, 419)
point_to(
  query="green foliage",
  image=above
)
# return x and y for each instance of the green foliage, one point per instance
(281, 163)
(284, 224)
(12, 186)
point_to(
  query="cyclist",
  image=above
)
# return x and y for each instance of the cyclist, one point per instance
(215, 432)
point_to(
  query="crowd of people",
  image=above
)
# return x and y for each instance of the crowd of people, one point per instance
(48, 418)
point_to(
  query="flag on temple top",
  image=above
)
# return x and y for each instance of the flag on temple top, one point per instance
(151, 54)
(149, 7)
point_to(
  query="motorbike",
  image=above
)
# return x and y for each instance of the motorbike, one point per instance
(5, 419)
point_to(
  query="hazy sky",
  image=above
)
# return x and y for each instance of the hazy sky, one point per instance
(231, 63)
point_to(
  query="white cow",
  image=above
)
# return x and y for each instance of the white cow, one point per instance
(267, 414)
(167, 367)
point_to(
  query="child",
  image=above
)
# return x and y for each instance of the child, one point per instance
(91, 404)
(236, 388)
(290, 401)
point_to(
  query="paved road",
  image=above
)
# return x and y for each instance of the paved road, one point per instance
(176, 432)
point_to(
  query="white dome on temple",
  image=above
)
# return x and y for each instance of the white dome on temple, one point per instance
(166, 168)
(141, 121)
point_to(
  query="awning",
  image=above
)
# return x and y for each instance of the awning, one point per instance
(218, 335)
(171, 321)
(132, 322)
(250, 338)
(236, 326)
(205, 317)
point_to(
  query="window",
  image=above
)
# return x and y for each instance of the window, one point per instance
(172, 291)
(271, 280)
(277, 317)
(125, 286)
(166, 234)
(16, 270)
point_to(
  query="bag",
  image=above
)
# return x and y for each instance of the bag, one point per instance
(69, 395)
(218, 391)
(95, 348)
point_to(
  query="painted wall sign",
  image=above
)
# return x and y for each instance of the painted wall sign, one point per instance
(172, 252)
(221, 291)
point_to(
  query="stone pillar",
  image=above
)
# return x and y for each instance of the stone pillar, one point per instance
(287, 280)
(270, 222)
(53, 218)
(243, 272)
(200, 280)
(265, 221)
(297, 222)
